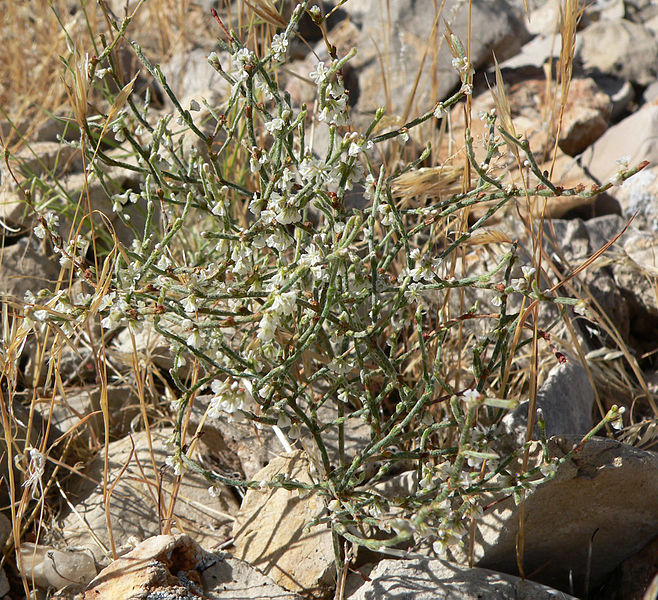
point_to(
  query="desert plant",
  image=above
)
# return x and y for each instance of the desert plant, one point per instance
(302, 313)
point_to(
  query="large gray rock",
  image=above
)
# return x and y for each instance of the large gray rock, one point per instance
(51, 568)
(138, 505)
(163, 567)
(229, 578)
(25, 266)
(605, 498)
(270, 531)
(620, 48)
(566, 399)
(634, 139)
(167, 567)
(435, 579)
(400, 41)
(40, 159)
(574, 241)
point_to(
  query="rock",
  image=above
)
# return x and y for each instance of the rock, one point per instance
(270, 530)
(138, 505)
(229, 578)
(566, 399)
(152, 348)
(51, 568)
(640, 11)
(576, 240)
(606, 495)
(632, 140)
(117, 181)
(621, 48)
(68, 411)
(162, 567)
(24, 267)
(40, 159)
(253, 449)
(638, 197)
(12, 208)
(495, 28)
(537, 52)
(434, 579)
(620, 92)
(5, 588)
(5, 530)
(58, 127)
(632, 578)
(586, 116)
(190, 74)
(169, 567)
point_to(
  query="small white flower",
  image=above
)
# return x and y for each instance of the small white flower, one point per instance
(319, 74)
(275, 125)
(528, 272)
(189, 305)
(472, 398)
(279, 46)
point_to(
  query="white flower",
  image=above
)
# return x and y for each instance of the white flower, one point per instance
(194, 340)
(284, 303)
(176, 463)
(472, 398)
(440, 111)
(528, 272)
(268, 324)
(319, 74)
(279, 46)
(189, 305)
(40, 231)
(275, 125)
(279, 240)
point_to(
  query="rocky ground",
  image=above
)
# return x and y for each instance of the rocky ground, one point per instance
(591, 532)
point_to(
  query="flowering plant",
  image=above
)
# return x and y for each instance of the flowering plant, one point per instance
(302, 313)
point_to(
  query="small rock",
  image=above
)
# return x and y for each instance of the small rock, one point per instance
(632, 140)
(638, 197)
(566, 399)
(604, 497)
(253, 449)
(620, 92)
(576, 240)
(5, 530)
(24, 267)
(434, 579)
(117, 180)
(41, 159)
(190, 74)
(57, 128)
(495, 27)
(621, 48)
(229, 578)
(5, 588)
(162, 567)
(138, 504)
(586, 116)
(67, 412)
(51, 568)
(270, 530)
(12, 208)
